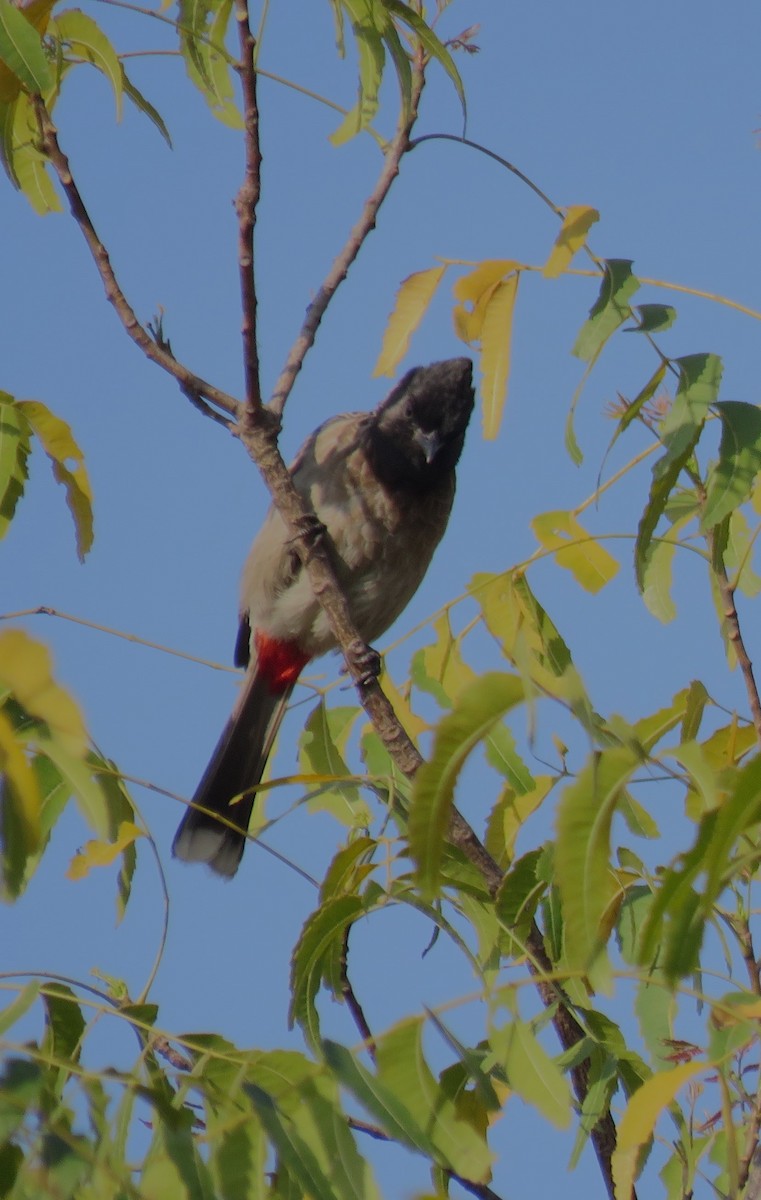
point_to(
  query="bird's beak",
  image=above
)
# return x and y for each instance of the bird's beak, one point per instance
(429, 443)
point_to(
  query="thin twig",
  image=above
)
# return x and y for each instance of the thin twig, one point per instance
(734, 634)
(114, 294)
(350, 998)
(340, 268)
(246, 203)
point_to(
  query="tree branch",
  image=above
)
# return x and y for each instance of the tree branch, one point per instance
(157, 353)
(734, 633)
(246, 203)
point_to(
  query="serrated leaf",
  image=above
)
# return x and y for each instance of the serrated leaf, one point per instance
(440, 669)
(21, 51)
(519, 895)
(531, 1073)
(321, 748)
(412, 300)
(610, 309)
(731, 480)
(59, 444)
(699, 379)
(577, 222)
(15, 446)
(653, 318)
(321, 937)
(496, 335)
(475, 713)
(638, 1122)
(582, 851)
(403, 1070)
(502, 754)
(576, 550)
(510, 813)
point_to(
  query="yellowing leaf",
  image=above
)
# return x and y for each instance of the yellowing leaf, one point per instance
(68, 467)
(469, 288)
(440, 668)
(26, 669)
(102, 854)
(410, 721)
(412, 299)
(511, 812)
(578, 221)
(576, 550)
(639, 1119)
(87, 41)
(496, 335)
(24, 791)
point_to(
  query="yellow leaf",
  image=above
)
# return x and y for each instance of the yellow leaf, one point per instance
(412, 300)
(578, 221)
(102, 854)
(26, 669)
(469, 288)
(496, 334)
(467, 324)
(576, 550)
(412, 724)
(24, 791)
(638, 1121)
(68, 461)
(443, 661)
(516, 809)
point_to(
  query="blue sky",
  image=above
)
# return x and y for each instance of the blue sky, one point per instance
(649, 114)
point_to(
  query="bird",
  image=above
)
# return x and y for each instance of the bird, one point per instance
(382, 483)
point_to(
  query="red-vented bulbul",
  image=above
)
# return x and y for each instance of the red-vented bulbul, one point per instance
(382, 484)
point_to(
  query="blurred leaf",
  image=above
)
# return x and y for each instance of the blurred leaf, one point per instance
(412, 724)
(102, 854)
(638, 1122)
(321, 940)
(26, 669)
(496, 334)
(58, 443)
(610, 309)
(582, 851)
(577, 222)
(476, 711)
(653, 318)
(65, 1025)
(576, 550)
(404, 1072)
(510, 813)
(412, 300)
(731, 480)
(22, 52)
(86, 40)
(20, 794)
(15, 446)
(531, 1073)
(440, 669)
(14, 1011)
(738, 555)
(518, 897)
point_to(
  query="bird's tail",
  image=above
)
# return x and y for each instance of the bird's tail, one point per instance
(236, 766)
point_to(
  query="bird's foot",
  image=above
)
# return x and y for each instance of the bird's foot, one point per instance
(368, 663)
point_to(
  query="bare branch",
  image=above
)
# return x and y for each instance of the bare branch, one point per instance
(734, 633)
(246, 203)
(340, 268)
(114, 294)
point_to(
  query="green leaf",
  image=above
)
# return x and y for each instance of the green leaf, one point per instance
(321, 748)
(145, 106)
(610, 309)
(321, 940)
(203, 29)
(653, 318)
(531, 1073)
(638, 1122)
(477, 710)
(582, 851)
(15, 445)
(404, 1072)
(731, 480)
(69, 469)
(368, 23)
(86, 40)
(430, 43)
(21, 49)
(65, 1024)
